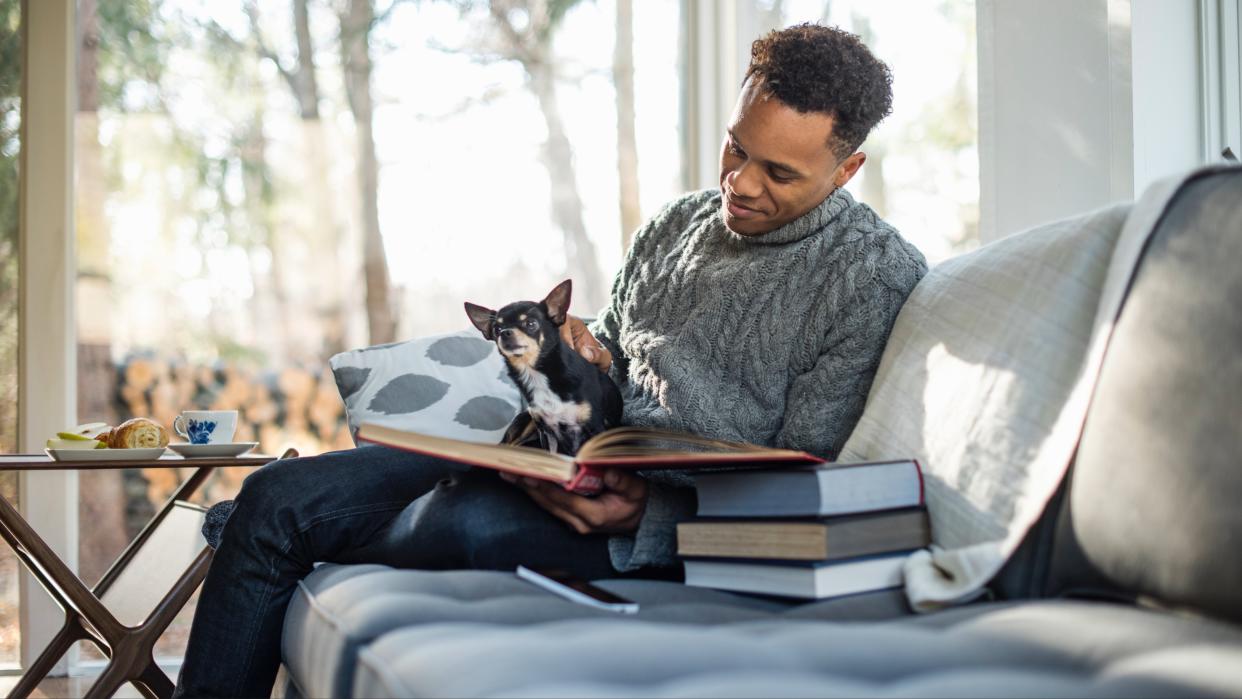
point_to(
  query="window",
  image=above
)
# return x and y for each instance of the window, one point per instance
(922, 170)
(264, 183)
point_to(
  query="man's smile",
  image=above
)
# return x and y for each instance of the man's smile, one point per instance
(739, 210)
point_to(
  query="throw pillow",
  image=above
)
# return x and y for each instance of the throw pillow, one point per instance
(452, 385)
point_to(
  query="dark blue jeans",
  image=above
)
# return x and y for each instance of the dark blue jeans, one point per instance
(367, 505)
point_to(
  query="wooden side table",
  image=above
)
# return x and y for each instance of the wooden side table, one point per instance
(117, 614)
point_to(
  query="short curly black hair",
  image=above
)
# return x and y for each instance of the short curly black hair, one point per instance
(814, 68)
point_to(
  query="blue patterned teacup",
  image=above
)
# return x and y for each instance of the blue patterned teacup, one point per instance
(206, 426)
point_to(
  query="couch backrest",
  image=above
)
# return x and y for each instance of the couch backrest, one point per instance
(1154, 505)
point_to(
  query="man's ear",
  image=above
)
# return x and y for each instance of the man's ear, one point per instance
(557, 302)
(483, 319)
(848, 168)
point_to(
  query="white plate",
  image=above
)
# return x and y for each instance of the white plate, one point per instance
(105, 454)
(227, 449)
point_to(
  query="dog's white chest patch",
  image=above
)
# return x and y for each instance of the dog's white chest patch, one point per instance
(562, 416)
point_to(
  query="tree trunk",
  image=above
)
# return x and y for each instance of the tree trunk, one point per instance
(102, 501)
(326, 233)
(873, 192)
(355, 24)
(627, 142)
(307, 91)
(589, 288)
(92, 231)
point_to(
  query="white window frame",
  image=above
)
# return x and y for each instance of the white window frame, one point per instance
(47, 354)
(1220, 32)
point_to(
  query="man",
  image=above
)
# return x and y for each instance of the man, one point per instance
(756, 312)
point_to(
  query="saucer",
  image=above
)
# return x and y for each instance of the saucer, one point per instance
(190, 451)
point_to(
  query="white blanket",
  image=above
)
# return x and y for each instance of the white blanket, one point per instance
(986, 381)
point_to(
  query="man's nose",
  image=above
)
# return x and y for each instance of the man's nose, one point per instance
(744, 181)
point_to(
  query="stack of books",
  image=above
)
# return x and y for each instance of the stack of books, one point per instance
(813, 532)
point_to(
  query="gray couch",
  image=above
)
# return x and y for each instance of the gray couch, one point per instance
(1129, 585)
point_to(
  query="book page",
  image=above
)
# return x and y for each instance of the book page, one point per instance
(634, 443)
(522, 460)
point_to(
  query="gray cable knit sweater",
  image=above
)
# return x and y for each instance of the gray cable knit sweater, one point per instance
(772, 339)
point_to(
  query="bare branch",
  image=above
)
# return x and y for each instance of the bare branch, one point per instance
(489, 96)
(476, 54)
(383, 15)
(261, 47)
(515, 39)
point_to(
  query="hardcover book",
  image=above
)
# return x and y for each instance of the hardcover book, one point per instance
(621, 447)
(827, 539)
(823, 490)
(807, 581)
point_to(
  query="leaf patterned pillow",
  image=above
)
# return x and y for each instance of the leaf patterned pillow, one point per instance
(451, 385)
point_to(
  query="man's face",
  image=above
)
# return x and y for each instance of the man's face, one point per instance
(776, 164)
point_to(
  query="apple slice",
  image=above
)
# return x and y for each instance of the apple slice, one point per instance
(79, 443)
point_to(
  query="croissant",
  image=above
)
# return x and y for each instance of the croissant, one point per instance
(137, 433)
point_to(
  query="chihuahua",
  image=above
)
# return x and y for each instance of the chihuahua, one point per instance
(569, 399)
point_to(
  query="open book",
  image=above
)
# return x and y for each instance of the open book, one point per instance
(621, 447)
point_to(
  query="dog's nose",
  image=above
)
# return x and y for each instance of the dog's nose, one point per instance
(506, 332)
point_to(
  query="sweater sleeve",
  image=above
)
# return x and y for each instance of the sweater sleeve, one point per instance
(654, 544)
(823, 405)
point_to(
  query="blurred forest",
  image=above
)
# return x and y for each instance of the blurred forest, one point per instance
(266, 228)
(10, 114)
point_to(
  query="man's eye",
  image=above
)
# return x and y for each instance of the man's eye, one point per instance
(783, 179)
(735, 150)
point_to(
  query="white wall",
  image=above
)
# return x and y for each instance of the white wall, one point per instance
(1083, 103)
(1055, 120)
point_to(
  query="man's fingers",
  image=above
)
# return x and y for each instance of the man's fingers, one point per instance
(567, 333)
(603, 359)
(563, 498)
(579, 338)
(627, 485)
(592, 512)
(573, 520)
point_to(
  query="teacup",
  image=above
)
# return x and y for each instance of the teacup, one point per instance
(206, 426)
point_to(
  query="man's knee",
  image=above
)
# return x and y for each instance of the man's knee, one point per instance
(271, 484)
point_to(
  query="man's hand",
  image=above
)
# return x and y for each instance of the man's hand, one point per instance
(616, 510)
(575, 333)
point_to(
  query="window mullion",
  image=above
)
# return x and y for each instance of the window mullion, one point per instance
(47, 377)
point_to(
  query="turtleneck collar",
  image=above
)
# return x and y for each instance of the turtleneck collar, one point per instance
(809, 223)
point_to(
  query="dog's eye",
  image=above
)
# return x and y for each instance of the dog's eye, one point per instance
(531, 324)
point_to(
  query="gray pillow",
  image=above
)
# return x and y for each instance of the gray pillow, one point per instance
(451, 385)
(1155, 504)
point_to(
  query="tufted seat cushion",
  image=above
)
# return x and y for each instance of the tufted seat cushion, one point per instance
(338, 609)
(373, 631)
(1000, 649)
(1033, 649)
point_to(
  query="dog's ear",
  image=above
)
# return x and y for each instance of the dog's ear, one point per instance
(483, 319)
(557, 302)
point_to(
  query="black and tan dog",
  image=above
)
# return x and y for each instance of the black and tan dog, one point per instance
(569, 399)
